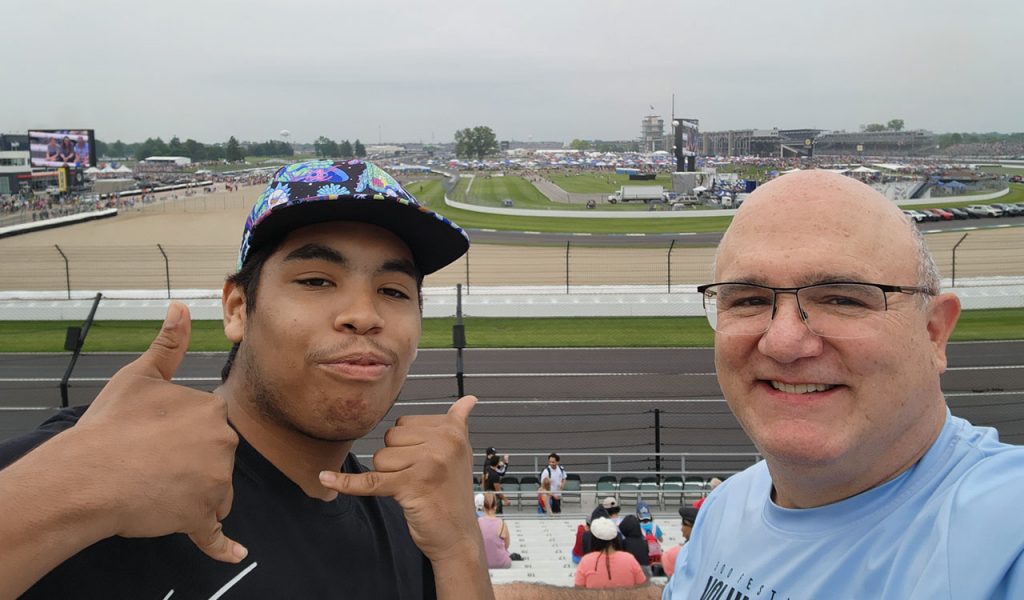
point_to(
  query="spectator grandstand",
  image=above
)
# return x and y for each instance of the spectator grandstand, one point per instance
(876, 143)
(984, 150)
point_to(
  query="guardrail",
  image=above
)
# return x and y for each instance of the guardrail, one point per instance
(673, 463)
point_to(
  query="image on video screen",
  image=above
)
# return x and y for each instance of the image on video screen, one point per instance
(62, 148)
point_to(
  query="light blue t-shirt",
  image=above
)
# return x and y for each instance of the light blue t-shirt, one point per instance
(652, 528)
(951, 527)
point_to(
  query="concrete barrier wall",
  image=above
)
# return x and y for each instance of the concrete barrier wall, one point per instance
(484, 301)
(680, 214)
(590, 214)
(57, 222)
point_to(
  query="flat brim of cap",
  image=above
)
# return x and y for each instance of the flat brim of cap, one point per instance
(434, 241)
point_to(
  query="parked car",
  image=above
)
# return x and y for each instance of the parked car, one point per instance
(941, 213)
(975, 212)
(959, 213)
(987, 211)
(1009, 210)
(914, 215)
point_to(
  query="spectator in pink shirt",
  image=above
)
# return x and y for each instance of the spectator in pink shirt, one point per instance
(607, 566)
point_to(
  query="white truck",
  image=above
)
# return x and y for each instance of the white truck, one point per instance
(643, 193)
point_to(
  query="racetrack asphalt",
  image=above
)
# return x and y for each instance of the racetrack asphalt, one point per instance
(595, 406)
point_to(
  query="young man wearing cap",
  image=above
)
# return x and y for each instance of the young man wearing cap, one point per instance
(502, 460)
(324, 313)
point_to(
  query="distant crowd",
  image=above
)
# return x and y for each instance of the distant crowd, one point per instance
(989, 149)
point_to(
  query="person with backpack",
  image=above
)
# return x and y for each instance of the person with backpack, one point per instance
(633, 542)
(554, 475)
(652, 535)
(544, 498)
(606, 565)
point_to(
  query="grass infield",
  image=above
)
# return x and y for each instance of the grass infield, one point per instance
(430, 193)
(605, 332)
(604, 183)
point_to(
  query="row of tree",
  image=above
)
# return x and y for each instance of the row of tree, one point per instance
(325, 147)
(231, 151)
(892, 125)
(476, 142)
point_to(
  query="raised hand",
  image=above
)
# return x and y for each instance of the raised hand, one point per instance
(427, 467)
(164, 452)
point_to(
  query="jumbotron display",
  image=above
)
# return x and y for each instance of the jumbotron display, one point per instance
(62, 147)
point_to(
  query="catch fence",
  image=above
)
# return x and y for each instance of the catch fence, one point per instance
(566, 268)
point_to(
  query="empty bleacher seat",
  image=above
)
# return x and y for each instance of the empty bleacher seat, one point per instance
(629, 489)
(672, 490)
(650, 491)
(510, 486)
(607, 485)
(571, 489)
(694, 488)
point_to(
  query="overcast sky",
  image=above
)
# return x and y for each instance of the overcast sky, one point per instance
(418, 70)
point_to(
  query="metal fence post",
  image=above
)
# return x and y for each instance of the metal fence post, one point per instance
(954, 257)
(670, 247)
(67, 270)
(459, 341)
(167, 270)
(73, 342)
(567, 242)
(657, 442)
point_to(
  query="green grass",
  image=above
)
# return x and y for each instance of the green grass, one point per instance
(603, 183)
(746, 171)
(490, 191)
(431, 193)
(993, 324)
(135, 336)
(1016, 195)
(998, 170)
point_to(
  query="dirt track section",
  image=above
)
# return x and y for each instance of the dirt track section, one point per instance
(199, 235)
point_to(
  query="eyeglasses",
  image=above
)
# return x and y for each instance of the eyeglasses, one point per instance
(842, 309)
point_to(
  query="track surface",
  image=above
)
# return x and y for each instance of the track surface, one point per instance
(597, 401)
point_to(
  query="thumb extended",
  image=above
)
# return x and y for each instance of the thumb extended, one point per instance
(218, 546)
(462, 407)
(165, 354)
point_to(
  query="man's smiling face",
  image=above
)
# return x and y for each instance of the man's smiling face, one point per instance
(811, 401)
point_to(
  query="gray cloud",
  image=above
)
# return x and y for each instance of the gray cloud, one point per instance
(408, 70)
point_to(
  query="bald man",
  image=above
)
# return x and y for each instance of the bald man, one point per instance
(830, 337)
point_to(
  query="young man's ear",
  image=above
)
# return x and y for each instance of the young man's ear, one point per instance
(233, 304)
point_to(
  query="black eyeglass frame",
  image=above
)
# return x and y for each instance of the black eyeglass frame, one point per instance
(901, 289)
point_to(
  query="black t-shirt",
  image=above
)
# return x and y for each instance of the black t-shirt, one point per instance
(299, 547)
(491, 477)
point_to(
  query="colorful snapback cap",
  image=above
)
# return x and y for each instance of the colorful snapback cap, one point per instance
(318, 191)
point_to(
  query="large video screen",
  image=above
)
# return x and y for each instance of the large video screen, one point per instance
(62, 148)
(691, 136)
